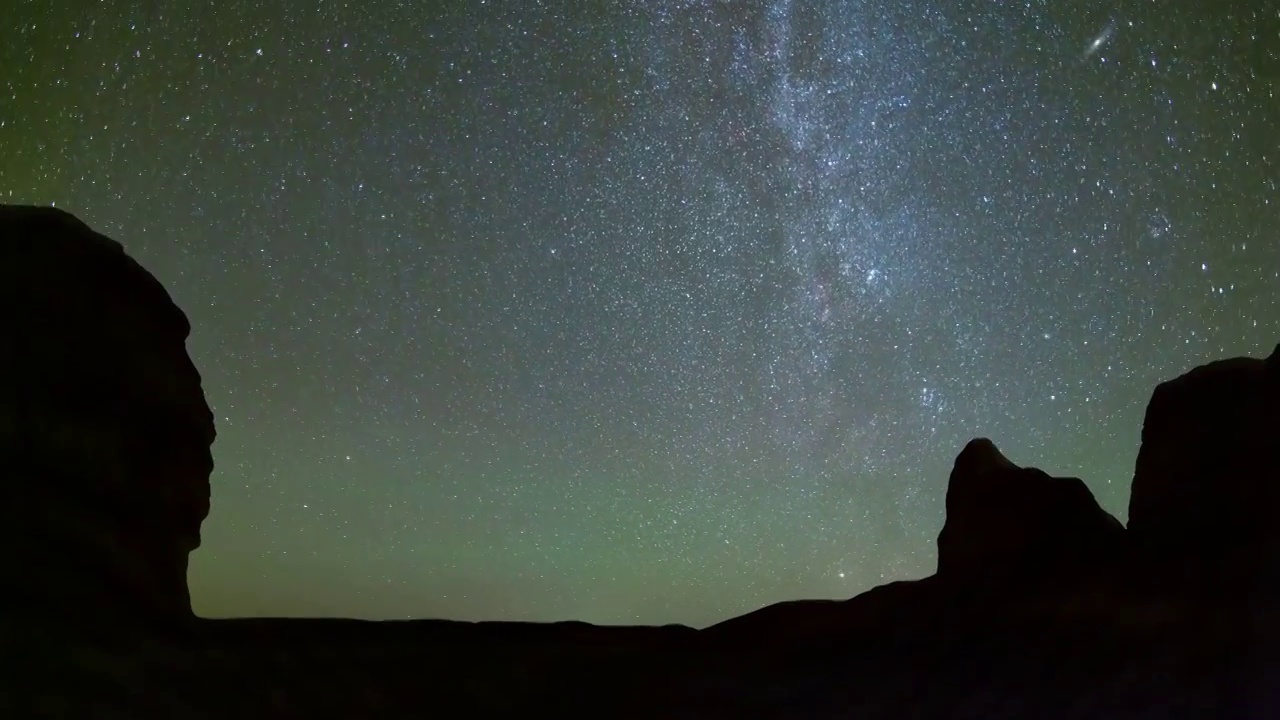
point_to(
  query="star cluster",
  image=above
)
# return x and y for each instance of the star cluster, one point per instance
(656, 311)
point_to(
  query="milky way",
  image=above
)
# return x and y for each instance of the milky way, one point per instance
(663, 312)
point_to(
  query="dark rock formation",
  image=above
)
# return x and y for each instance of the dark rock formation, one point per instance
(1005, 522)
(1043, 605)
(104, 429)
(1008, 530)
(1206, 488)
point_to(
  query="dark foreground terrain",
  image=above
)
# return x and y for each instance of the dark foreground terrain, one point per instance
(1043, 605)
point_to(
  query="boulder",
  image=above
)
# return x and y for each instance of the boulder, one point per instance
(104, 429)
(1206, 485)
(1005, 522)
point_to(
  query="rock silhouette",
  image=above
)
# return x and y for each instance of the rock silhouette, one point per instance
(1206, 491)
(103, 423)
(1043, 604)
(1007, 522)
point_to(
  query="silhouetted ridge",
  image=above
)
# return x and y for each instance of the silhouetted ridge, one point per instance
(1043, 604)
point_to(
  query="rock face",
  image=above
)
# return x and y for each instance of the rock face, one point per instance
(1009, 523)
(1206, 487)
(104, 428)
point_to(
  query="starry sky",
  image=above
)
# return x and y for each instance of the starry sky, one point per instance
(659, 310)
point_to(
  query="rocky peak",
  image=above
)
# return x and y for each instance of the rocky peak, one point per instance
(1005, 521)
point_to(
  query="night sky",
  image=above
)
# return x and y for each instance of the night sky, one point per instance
(647, 312)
